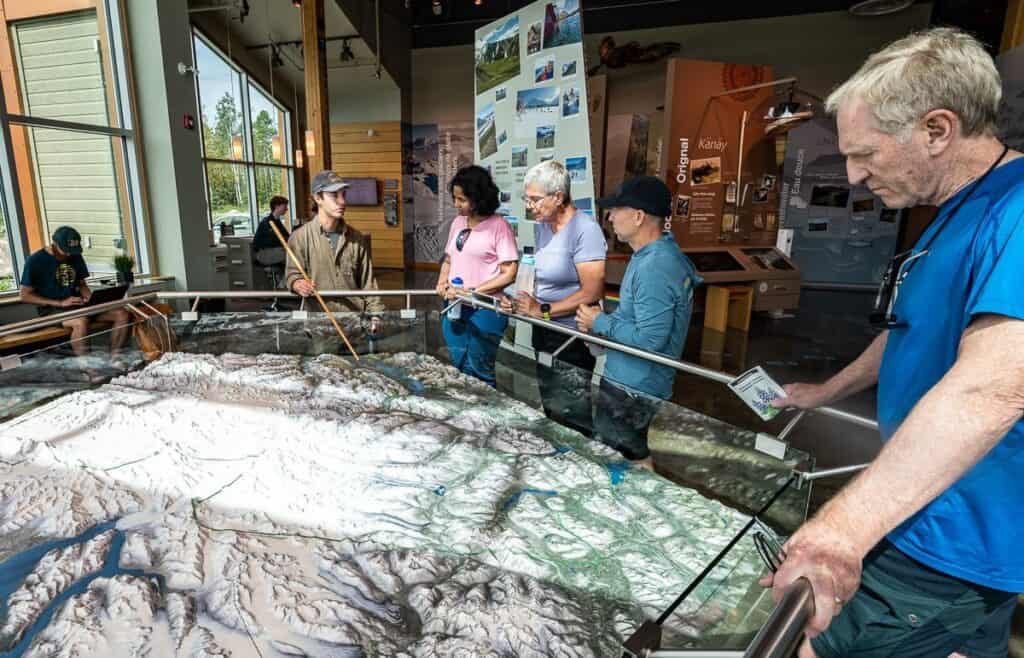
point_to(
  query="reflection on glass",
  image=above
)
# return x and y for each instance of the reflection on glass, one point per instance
(728, 607)
(267, 122)
(61, 69)
(270, 182)
(78, 183)
(6, 262)
(229, 196)
(568, 512)
(220, 95)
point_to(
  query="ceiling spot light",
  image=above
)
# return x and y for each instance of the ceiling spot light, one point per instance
(437, 8)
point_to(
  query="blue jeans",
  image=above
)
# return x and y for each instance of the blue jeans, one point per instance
(473, 341)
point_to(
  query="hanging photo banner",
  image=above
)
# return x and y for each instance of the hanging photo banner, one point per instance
(531, 102)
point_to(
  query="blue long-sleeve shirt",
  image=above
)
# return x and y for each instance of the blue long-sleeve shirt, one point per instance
(656, 300)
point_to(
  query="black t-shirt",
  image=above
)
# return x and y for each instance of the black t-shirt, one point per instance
(265, 238)
(52, 278)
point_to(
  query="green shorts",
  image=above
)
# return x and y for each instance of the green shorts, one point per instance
(904, 608)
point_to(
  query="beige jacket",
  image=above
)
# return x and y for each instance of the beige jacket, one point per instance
(348, 268)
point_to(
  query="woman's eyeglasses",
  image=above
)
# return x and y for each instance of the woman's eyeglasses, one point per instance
(889, 290)
(460, 239)
(534, 200)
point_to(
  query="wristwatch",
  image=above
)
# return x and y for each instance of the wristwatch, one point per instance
(545, 311)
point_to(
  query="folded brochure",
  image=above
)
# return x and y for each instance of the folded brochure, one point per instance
(757, 390)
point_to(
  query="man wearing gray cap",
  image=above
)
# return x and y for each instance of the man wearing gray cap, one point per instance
(335, 255)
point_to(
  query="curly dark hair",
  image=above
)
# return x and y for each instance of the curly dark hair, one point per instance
(479, 188)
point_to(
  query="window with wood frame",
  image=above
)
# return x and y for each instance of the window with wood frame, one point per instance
(67, 117)
(247, 141)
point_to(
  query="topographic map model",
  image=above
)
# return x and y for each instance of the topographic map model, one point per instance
(278, 505)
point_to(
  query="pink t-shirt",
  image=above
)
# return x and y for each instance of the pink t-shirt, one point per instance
(484, 249)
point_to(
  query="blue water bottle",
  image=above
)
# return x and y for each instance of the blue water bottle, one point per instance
(455, 312)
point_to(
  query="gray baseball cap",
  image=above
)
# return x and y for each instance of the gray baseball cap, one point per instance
(327, 181)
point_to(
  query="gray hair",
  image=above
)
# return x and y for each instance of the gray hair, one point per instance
(940, 68)
(552, 177)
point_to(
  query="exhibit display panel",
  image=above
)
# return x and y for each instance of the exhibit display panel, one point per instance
(531, 103)
(256, 489)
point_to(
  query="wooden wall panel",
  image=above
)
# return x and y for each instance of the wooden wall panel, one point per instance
(356, 153)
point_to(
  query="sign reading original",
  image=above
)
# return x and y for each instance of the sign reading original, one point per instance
(684, 160)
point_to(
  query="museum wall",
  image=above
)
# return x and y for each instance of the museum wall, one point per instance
(820, 49)
(355, 95)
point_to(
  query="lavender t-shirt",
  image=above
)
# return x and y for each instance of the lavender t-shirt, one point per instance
(557, 254)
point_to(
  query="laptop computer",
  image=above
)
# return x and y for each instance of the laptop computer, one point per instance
(104, 295)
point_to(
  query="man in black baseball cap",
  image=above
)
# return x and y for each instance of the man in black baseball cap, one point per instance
(656, 299)
(335, 255)
(54, 280)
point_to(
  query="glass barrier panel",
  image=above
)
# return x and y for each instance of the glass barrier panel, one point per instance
(728, 607)
(391, 472)
(53, 365)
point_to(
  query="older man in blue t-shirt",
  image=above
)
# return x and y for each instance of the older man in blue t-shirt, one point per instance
(655, 301)
(921, 554)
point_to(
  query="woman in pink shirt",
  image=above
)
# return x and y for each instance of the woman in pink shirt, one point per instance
(483, 255)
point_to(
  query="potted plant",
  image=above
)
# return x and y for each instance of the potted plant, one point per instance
(123, 264)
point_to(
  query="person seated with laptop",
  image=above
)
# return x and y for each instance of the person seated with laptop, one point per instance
(54, 280)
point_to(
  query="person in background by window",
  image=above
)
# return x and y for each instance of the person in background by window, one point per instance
(570, 258)
(482, 254)
(653, 314)
(268, 250)
(335, 255)
(54, 280)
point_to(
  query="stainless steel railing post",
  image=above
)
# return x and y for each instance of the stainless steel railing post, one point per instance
(781, 634)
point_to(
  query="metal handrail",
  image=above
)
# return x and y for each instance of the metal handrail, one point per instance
(266, 294)
(682, 366)
(781, 634)
(85, 311)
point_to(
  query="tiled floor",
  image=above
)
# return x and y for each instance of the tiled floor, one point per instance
(828, 332)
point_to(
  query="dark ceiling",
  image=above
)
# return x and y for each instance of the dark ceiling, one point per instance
(459, 18)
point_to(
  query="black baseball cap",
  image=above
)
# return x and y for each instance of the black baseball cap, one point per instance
(646, 193)
(68, 239)
(327, 181)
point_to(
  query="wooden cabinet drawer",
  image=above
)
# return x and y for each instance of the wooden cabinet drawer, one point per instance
(784, 301)
(777, 287)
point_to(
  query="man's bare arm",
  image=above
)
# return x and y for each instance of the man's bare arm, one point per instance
(949, 430)
(30, 296)
(861, 374)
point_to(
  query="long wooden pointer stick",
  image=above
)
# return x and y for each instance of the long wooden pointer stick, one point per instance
(316, 293)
